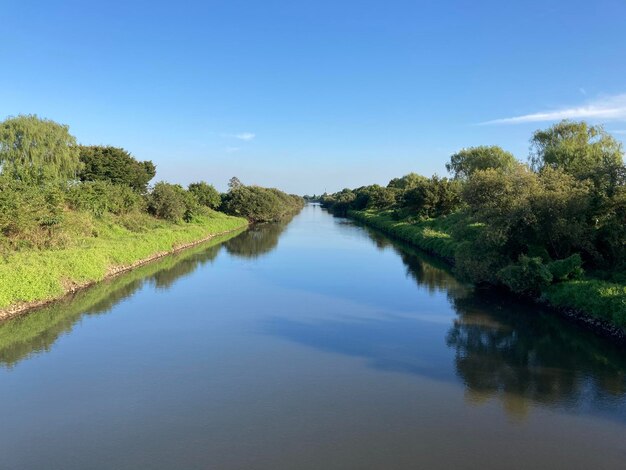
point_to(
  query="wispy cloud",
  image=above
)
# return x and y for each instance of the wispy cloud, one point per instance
(232, 149)
(247, 136)
(608, 108)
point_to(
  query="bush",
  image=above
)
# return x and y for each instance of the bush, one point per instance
(205, 194)
(527, 276)
(29, 215)
(260, 204)
(166, 202)
(568, 268)
(100, 197)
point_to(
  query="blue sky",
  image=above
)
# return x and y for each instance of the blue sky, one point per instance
(316, 95)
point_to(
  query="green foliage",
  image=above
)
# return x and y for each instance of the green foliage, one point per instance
(101, 197)
(115, 165)
(527, 276)
(611, 235)
(205, 194)
(479, 260)
(465, 163)
(433, 197)
(513, 220)
(259, 204)
(584, 151)
(33, 275)
(30, 216)
(432, 235)
(171, 202)
(568, 268)
(36, 151)
(601, 299)
(406, 182)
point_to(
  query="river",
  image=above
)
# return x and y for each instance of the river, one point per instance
(319, 344)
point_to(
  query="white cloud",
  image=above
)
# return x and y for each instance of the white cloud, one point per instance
(247, 136)
(609, 108)
(232, 149)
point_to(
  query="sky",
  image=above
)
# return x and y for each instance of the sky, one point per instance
(311, 96)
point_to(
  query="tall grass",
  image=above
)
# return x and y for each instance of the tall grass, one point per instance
(113, 243)
(431, 235)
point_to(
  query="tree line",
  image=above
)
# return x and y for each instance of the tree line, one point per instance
(45, 174)
(524, 225)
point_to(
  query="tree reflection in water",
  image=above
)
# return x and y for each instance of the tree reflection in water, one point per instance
(257, 241)
(37, 331)
(522, 354)
(517, 351)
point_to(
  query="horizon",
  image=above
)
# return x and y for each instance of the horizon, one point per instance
(312, 98)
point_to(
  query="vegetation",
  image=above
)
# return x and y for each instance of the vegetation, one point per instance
(115, 165)
(70, 214)
(37, 151)
(205, 194)
(30, 334)
(552, 228)
(259, 204)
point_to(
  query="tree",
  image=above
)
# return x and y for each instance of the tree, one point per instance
(206, 194)
(171, 202)
(582, 150)
(37, 150)
(464, 163)
(234, 183)
(115, 165)
(406, 182)
(259, 204)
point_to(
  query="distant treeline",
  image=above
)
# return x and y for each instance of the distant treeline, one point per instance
(522, 225)
(45, 175)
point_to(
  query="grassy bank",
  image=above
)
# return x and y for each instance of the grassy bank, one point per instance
(38, 331)
(433, 235)
(597, 298)
(97, 248)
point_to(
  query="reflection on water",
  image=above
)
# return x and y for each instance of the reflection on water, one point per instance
(522, 355)
(37, 331)
(517, 351)
(257, 241)
(343, 349)
(503, 348)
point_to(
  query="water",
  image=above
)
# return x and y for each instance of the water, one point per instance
(316, 345)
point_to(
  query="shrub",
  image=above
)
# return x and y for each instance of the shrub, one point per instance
(205, 194)
(29, 215)
(100, 197)
(166, 201)
(528, 275)
(568, 268)
(259, 204)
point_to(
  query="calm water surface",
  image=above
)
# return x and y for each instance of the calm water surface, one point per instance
(316, 345)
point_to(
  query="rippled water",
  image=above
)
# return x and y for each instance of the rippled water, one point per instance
(315, 345)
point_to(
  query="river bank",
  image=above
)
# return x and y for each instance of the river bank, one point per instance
(592, 303)
(32, 278)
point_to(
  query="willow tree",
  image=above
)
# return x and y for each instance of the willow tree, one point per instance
(582, 150)
(35, 150)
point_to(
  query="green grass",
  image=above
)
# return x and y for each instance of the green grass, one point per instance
(598, 298)
(36, 275)
(28, 334)
(594, 297)
(432, 235)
